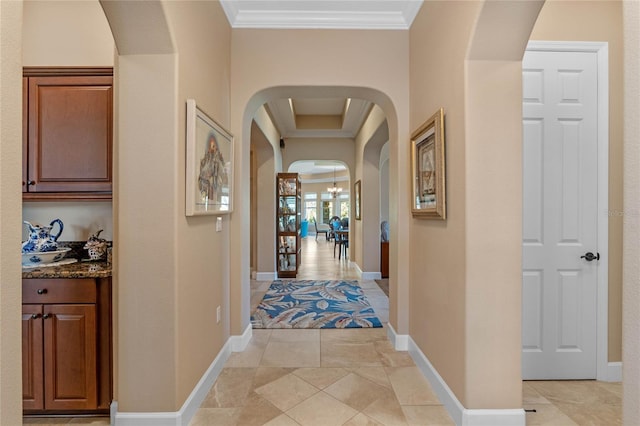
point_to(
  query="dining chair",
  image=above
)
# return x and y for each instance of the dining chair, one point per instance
(335, 226)
(322, 228)
(342, 241)
(332, 223)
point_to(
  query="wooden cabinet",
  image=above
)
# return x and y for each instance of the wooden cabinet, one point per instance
(288, 218)
(67, 133)
(384, 259)
(32, 358)
(66, 345)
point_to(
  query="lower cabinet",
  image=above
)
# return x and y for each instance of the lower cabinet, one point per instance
(66, 345)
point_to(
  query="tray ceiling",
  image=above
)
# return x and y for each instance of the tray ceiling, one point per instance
(330, 14)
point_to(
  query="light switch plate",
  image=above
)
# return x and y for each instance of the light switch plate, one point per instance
(218, 315)
(218, 224)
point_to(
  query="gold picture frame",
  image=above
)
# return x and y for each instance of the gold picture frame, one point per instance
(428, 189)
(357, 189)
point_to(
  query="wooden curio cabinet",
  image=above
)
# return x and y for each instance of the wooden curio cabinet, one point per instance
(288, 218)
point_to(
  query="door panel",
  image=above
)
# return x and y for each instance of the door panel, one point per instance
(560, 197)
(70, 133)
(70, 383)
(32, 368)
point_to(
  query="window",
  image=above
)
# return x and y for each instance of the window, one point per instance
(310, 210)
(327, 211)
(344, 208)
(326, 196)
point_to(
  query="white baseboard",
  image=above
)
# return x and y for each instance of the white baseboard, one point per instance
(193, 402)
(459, 414)
(265, 276)
(239, 343)
(506, 417)
(365, 275)
(356, 266)
(400, 342)
(371, 276)
(614, 372)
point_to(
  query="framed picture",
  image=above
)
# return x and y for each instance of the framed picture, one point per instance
(209, 169)
(357, 199)
(428, 192)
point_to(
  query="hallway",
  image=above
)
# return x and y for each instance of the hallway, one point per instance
(321, 377)
(355, 377)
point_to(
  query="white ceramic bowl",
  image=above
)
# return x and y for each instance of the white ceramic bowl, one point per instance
(43, 257)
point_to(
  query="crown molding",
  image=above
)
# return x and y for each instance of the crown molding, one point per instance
(290, 14)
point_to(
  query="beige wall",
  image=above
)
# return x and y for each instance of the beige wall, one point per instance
(384, 183)
(340, 149)
(631, 276)
(265, 134)
(171, 271)
(465, 310)
(599, 21)
(264, 213)
(439, 39)
(370, 65)
(10, 212)
(81, 219)
(369, 141)
(202, 280)
(68, 33)
(145, 245)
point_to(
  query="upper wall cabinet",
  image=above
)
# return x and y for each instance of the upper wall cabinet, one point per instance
(68, 133)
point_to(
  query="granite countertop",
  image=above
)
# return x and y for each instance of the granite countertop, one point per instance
(83, 268)
(72, 270)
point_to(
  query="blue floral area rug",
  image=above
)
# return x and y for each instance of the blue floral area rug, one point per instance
(314, 304)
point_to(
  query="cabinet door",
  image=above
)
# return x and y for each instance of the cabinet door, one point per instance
(25, 132)
(32, 367)
(70, 363)
(70, 134)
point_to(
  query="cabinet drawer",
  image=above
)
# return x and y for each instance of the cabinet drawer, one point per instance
(58, 290)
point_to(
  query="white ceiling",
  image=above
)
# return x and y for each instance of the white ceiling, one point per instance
(332, 14)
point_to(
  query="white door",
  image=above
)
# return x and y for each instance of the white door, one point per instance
(560, 199)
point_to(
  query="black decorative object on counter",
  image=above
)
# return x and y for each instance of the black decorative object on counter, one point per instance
(78, 251)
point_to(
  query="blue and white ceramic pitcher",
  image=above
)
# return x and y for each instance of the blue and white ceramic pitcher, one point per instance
(41, 238)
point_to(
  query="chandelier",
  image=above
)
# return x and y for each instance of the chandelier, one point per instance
(335, 189)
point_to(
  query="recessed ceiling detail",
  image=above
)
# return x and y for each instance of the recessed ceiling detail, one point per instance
(327, 14)
(316, 171)
(318, 117)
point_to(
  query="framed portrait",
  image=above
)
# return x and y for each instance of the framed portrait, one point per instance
(209, 168)
(357, 200)
(428, 192)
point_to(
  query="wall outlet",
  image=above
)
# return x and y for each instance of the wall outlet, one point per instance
(218, 224)
(218, 315)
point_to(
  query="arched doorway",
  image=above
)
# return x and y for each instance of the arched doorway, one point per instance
(375, 133)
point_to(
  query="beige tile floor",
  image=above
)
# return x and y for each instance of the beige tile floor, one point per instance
(355, 377)
(573, 402)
